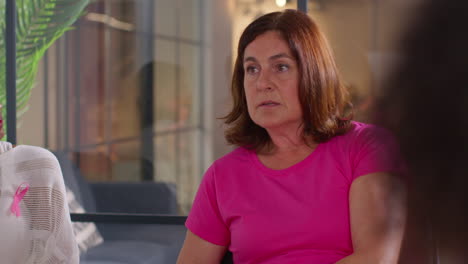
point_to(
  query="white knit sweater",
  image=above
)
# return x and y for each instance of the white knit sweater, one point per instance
(43, 232)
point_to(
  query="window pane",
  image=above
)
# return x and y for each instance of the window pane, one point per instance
(123, 85)
(33, 119)
(166, 15)
(125, 161)
(166, 158)
(165, 85)
(94, 164)
(189, 90)
(177, 162)
(190, 19)
(119, 98)
(189, 173)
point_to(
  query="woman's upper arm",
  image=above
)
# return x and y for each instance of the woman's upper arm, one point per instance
(377, 214)
(198, 251)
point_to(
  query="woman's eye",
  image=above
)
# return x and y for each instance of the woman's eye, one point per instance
(282, 67)
(251, 69)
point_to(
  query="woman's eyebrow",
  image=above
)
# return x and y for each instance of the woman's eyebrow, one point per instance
(271, 58)
(250, 59)
(280, 55)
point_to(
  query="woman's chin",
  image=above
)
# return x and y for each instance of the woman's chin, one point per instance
(288, 125)
(272, 124)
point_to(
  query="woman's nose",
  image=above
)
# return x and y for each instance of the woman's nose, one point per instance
(264, 81)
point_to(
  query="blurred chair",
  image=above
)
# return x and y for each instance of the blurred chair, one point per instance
(120, 233)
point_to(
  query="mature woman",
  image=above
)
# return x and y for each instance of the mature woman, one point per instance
(306, 184)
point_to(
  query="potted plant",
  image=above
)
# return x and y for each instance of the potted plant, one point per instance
(39, 24)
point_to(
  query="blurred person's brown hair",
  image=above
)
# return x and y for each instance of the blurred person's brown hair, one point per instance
(322, 95)
(425, 103)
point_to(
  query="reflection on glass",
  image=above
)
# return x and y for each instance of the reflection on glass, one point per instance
(177, 162)
(95, 164)
(165, 85)
(122, 94)
(125, 161)
(189, 169)
(122, 84)
(165, 158)
(189, 85)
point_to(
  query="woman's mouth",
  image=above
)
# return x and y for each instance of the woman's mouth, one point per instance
(268, 104)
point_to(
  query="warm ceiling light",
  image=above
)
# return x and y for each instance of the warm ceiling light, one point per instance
(281, 3)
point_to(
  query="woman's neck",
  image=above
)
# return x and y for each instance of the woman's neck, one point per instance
(287, 141)
(286, 154)
(286, 148)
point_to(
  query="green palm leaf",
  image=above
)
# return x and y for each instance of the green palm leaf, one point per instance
(39, 24)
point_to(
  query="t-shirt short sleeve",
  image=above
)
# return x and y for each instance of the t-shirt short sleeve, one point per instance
(375, 149)
(204, 219)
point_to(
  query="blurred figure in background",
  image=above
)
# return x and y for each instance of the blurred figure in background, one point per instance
(425, 104)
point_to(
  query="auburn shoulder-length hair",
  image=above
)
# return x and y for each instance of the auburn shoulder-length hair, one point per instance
(321, 93)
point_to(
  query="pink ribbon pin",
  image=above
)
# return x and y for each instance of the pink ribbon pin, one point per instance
(20, 193)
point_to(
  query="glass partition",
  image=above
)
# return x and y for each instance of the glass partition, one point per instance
(119, 95)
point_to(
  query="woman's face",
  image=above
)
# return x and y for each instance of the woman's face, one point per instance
(271, 83)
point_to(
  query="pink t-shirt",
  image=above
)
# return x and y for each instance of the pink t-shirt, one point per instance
(296, 215)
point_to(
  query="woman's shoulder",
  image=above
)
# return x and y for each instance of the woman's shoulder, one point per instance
(230, 166)
(363, 138)
(32, 157)
(24, 152)
(363, 131)
(33, 152)
(236, 156)
(361, 135)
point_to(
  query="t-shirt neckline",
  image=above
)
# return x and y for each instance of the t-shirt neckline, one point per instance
(254, 158)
